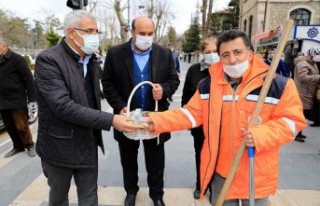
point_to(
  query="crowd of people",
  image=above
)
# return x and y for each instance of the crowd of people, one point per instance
(304, 69)
(219, 95)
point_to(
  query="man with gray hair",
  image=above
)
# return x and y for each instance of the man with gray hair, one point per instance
(70, 117)
(16, 90)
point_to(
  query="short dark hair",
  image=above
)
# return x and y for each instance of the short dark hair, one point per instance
(231, 35)
(133, 24)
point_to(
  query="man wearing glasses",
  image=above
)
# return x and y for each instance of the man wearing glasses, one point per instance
(70, 121)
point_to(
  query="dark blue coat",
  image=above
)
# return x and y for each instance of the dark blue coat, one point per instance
(281, 68)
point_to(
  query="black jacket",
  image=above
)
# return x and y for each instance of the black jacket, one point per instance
(16, 82)
(117, 79)
(69, 130)
(193, 77)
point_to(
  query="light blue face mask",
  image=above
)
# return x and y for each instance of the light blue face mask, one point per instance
(211, 58)
(90, 43)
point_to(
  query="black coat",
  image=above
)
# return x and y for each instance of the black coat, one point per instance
(69, 130)
(117, 79)
(193, 77)
(16, 82)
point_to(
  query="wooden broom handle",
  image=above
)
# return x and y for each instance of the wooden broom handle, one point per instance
(255, 115)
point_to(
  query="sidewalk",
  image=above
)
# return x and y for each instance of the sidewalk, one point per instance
(37, 195)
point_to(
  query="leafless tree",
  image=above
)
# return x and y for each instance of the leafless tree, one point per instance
(161, 14)
(206, 16)
(119, 7)
(92, 5)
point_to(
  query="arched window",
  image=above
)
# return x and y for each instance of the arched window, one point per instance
(245, 26)
(250, 25)
(300, 16)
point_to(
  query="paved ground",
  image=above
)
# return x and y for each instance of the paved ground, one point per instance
(22, 182)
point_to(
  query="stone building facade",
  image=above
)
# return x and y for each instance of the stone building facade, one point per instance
(262, 16)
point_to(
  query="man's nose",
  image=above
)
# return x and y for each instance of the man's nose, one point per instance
(233, 59)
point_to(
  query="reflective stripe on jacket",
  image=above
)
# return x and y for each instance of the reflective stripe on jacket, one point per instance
(223, 112)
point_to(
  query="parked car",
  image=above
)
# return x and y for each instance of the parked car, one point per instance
(32, 114)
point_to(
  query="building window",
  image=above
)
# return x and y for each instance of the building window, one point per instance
(245, 26)
(250, 25)
(300, 16)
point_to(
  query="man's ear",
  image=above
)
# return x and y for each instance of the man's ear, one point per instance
(70, 33)
(251, 54)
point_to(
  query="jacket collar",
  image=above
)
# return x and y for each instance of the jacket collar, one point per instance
(6, 56)
(72, 53)
(69, 50)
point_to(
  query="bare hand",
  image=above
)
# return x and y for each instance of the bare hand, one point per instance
(123, 124)
(157, 92)
(149, 124)
(248, 138)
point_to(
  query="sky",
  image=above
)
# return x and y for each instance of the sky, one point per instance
(38, 9)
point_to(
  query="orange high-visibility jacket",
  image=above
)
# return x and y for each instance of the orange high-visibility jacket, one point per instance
(223, 112)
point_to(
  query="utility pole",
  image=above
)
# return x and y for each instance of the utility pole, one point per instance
(128, 16)
(81, 4)
(265, 15)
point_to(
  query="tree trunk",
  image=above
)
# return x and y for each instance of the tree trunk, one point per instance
(208, 18)
(204, 14)
(123, 23)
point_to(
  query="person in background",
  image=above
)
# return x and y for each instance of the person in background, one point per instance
(16, 90)
(70, 120)
(281, 68)
(175, 56)
(127, 65)
(316, 104)
(195, 74)
(288, 60)
(223, 103)
(176, 60)
(307, 78)
(189, 57)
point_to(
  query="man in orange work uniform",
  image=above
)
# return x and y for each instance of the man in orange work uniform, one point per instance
(223, 104)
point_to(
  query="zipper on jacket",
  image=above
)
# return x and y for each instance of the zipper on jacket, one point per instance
(233, 110)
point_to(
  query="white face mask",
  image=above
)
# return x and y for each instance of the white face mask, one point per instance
(211, 58)
(90, 43)
(236, 71)
(143, 42)
(316, 58)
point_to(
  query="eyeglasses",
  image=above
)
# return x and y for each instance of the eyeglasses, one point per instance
(89, 31)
